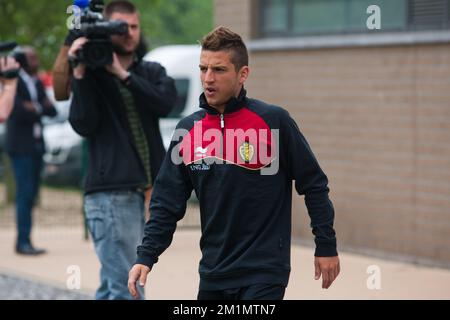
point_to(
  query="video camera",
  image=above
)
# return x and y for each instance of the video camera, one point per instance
(98, 51)
(17, 55)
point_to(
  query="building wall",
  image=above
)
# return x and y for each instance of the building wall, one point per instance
(378, 120)
(234, 13)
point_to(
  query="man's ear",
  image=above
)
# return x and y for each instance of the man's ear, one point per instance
(243, 74)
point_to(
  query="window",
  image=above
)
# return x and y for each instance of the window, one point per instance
(310, 17)
(275, 16)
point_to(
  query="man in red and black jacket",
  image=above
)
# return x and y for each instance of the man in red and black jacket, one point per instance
(240, 155)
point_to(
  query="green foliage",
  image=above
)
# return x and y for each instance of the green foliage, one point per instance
(176, 21)
(42, 24)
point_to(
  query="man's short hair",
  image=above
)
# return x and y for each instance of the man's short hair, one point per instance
(223, 38)
(122, 6)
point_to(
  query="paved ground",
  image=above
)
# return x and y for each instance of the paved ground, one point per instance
(59, 229)
(175, 276)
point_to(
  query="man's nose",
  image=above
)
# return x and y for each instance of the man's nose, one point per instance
(209, 76)
(129, 32)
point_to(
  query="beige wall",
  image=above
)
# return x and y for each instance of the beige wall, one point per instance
(378, 119)
(234, 14)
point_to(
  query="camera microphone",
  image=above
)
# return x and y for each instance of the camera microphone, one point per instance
(82, 4)
(7, 46)
(97, 6)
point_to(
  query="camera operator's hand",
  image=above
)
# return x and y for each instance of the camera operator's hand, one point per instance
(78, 72)
(73, 35)
(7, 64)
(117, 69)
(8, 87)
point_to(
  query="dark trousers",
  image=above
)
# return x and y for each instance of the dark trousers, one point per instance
(253, 292)
(27, 172)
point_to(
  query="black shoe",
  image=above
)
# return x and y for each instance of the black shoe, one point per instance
(29, 250)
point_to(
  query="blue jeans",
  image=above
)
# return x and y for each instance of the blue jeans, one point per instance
(27, 173)
(116, 224)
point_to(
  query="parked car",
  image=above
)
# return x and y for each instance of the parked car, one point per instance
(50, 125)
(2, 143)
(63, 156)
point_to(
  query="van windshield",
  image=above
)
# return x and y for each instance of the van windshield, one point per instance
(182, 86)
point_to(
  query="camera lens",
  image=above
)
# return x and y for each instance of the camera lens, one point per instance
(98, 53)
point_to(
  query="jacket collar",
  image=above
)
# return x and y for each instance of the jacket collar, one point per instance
(234, 104)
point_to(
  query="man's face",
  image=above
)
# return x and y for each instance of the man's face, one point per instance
(32, 61)
(219, 77)
(128, 43)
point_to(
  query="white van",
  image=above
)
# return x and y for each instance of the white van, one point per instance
(181, 63)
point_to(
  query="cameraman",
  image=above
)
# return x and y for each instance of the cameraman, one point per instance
(117, 108)
(7, 87)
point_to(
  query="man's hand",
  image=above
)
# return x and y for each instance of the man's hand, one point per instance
(77, 45)
(328, 267)
(139, 271)
(29, 106)
(117, 69)
(8, 64)
(46, 103)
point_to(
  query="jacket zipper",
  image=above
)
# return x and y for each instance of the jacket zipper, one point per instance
(222, 122)
(222, 127)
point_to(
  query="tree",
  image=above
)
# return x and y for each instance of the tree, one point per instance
(42, 24)
(37, 23)
(177, 21)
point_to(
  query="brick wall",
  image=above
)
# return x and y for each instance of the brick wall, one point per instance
(235, 14)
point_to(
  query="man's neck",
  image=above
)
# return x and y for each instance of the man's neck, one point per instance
(126, 60)
(219, 109)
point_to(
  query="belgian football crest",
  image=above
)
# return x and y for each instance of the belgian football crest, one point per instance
(246, 151)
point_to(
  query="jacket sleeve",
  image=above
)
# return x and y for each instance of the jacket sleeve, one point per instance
(48, 109)
(22, 114)
(171, 190)
(311, 182)
(158, 95)
(84, 113)
(19, 113)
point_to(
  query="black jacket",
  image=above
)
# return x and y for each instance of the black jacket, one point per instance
(245, 214)
(98, 113)
(22, 123)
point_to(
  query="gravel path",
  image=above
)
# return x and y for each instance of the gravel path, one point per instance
(64, 208)
(12, 288)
